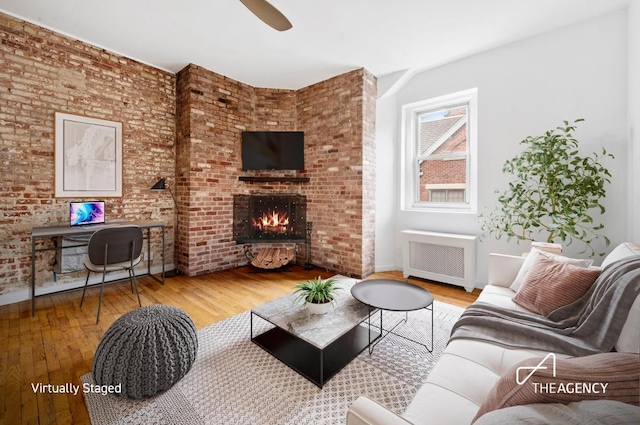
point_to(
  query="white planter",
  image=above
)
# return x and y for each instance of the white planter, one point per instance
(318, 308)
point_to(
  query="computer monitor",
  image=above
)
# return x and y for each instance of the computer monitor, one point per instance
(86, 213)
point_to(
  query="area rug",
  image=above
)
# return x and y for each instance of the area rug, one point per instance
(233, 381)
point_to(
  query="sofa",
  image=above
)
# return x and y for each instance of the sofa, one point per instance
(468, 369)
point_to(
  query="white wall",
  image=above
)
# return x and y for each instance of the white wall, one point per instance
(524, 88)
(633, 28)
(387, 182)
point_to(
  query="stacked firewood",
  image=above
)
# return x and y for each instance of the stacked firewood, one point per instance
(273, 258)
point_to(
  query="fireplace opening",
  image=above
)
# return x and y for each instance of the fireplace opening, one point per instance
(273, 222)
(263, 218)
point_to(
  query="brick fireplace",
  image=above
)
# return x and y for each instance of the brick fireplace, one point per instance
(268, 218)
(337, 117)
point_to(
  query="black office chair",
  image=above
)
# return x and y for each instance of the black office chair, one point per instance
(114, 249)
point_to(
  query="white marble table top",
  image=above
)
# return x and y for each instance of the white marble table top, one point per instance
(319, 330)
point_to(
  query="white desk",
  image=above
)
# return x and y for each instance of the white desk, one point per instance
(55, 231)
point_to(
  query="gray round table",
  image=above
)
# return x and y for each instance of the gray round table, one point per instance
(392, 295)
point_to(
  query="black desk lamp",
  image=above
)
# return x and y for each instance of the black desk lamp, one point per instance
(162, 185)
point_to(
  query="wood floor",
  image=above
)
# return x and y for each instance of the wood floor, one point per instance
(58, 344)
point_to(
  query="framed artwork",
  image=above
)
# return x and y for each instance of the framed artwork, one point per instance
(88, 157)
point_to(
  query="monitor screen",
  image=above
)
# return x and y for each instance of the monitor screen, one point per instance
(83, 213)
(272, 150)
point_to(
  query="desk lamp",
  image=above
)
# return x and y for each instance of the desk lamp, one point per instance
(162, 185)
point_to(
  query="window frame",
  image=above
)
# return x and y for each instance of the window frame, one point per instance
(410, 169)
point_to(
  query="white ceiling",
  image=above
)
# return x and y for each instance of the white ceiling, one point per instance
(328, 37)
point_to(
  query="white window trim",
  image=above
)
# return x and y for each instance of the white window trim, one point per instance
(409, 166)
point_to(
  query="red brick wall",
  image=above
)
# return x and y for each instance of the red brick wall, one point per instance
(212, 112)
(332, 115)
(42, 72)
(338, 118)
(185, 128)
(274, 110)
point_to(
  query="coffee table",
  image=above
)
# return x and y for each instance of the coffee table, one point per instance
(315, 346)
(392, 295)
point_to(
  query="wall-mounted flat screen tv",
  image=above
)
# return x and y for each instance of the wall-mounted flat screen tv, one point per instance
(84, 213)
(273, 150)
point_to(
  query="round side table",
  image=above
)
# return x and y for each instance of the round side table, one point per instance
(392, 295)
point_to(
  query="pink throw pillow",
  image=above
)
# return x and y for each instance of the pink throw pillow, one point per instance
(606, 376)
(533, 256)
(551, 284)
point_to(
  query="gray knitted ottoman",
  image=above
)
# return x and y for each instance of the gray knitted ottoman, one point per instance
(146, 350)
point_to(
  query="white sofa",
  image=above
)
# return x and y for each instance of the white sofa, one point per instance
(468, 369)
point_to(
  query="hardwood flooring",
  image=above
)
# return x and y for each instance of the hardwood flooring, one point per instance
(57, 345)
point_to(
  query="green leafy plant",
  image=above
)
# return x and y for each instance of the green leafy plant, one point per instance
(554, 191)
(317, 291)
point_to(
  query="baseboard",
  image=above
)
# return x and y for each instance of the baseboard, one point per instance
(389, 268)
(25, 294)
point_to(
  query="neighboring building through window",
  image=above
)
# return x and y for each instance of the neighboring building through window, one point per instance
(439, 147)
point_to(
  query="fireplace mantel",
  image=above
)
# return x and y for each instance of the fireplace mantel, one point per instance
(254, 179)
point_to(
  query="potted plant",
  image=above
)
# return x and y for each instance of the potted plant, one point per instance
(317, 294)
(554, 190)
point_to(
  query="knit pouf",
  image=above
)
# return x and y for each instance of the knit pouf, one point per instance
(146, 350)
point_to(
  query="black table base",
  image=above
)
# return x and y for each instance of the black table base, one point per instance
(393, 295)
(382, 335)
(316, 364)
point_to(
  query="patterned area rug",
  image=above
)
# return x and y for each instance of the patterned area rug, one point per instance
(233, 381)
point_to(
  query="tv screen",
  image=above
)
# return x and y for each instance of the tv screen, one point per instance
(272, 150)
(83, 213)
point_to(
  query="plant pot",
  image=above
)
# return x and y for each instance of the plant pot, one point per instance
(318, 308)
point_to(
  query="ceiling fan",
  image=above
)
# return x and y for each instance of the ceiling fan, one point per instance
(268, 14)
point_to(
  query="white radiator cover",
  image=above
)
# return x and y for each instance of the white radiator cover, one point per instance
(442, 257)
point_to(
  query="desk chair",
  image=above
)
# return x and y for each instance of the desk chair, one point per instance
(114, 249)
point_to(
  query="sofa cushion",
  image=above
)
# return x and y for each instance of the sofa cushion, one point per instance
(500, 296)
(625, 249)
(606, 376)
(551, 284)
(461, 380)
(533, 256)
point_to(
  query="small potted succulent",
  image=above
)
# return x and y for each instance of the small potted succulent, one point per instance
(317, 294)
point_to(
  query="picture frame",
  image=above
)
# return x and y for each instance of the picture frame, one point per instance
(88, 157)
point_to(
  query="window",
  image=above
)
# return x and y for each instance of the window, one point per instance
(447, 195)
(439, 146)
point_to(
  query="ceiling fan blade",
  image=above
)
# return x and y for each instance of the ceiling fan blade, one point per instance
(268, 14)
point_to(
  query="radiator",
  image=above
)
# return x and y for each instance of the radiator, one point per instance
(441, 257)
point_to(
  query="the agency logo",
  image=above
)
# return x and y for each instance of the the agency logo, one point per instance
(561, 386)
(533, 369)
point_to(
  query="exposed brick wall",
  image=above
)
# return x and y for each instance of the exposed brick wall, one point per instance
(337, 117)
(42, 72)
(185, 128)
(274, 110)
(217, 109)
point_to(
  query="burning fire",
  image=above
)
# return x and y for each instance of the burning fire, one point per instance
(272, 222)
